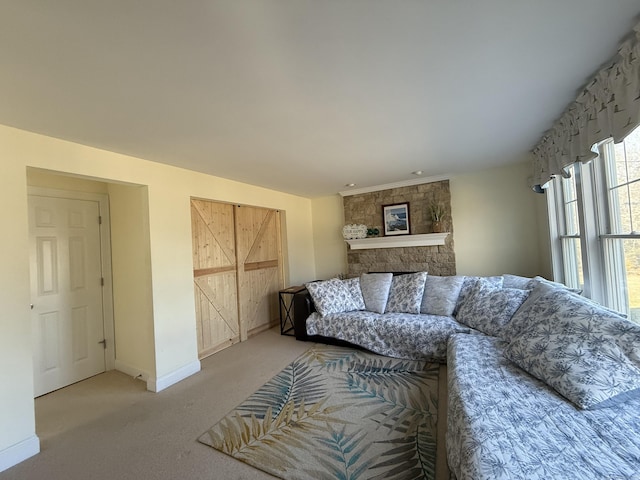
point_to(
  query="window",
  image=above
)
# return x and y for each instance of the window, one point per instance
(621, 240)
(570, 232)
(595, 226)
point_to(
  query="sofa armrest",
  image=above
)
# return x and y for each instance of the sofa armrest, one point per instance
(302, 307)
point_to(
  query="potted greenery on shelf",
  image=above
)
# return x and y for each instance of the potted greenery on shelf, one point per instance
(437, 211)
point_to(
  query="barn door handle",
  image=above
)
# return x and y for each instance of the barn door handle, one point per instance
(31, 306)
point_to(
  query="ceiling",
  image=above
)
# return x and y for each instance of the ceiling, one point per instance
(304, 96)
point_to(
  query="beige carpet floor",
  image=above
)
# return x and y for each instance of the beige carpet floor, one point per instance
(109, 427)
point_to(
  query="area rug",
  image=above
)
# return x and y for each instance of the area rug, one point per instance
(337, 413)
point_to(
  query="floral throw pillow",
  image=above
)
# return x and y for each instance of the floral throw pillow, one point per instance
(488, 309)
(331, 296)
(405, 295)
(353, 285)
(441, 294)
(532, 310)
(586, 353)
(469, 283)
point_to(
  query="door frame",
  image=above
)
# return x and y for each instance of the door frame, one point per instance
(105, 260)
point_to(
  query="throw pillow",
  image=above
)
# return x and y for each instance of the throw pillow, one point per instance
(441, 294)
(353, 285)
(375, 290)
(530, 311)
(469, 283)
(488, 309)
(331, 296)
(405, 294)
(584, 352)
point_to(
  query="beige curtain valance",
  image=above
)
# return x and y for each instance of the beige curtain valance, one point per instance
(609, 106)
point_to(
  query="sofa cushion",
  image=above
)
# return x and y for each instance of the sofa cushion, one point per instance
(583, 351)
(538, 279)
(399, 335)
(331, 296)
(375, 290)
(516, 281)
(488, 308)
(405, 294)
(469, 283)
(441, 294)
(353, 285)
(529, 313)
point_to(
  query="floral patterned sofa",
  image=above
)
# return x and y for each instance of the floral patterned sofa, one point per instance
(543, 383)
(402, 315)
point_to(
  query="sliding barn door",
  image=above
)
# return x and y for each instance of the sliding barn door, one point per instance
(237, 271)
(214, 275)
(259, 268)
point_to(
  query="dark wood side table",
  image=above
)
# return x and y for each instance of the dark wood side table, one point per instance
(286, 308)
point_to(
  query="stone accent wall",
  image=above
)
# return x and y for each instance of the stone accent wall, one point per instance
(366, 209)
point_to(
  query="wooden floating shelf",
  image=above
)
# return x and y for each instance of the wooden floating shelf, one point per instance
(424, 240)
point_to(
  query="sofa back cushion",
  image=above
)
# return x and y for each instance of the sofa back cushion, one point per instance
(527, 283)
(516, 281)
(331, 296)
(488, 308)
(353, 285)
(441, 294)
(405, 294)
(375, 290)
(585, 352)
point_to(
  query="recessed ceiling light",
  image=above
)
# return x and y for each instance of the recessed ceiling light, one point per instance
(417, 172)
(350, 185)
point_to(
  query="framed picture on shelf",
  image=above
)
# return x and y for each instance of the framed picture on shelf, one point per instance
(395, 219)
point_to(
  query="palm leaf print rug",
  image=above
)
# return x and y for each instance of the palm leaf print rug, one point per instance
(338, 413)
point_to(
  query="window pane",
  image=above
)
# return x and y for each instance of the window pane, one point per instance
(569, 186)
(627, 159)
(631, 153)
(572, 259)
(632, 265)
(570, 202)
(634, 207)
(620, 210)
(619, 165)
(571, 219)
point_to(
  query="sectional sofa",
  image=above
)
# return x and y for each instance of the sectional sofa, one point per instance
(543, 383)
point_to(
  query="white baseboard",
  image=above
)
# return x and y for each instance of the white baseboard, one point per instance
(132, 371)
(19, 452)
(159, 384)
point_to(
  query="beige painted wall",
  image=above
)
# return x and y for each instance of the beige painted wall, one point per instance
(17, 423)
(132, 292)
(169, 231)
(47, 179)
(330, 250)
(499, 225)
(496, 222)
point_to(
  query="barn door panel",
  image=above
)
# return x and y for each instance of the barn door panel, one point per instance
(259, 268)
(215, 278)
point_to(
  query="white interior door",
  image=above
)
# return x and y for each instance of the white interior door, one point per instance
(66, 291)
